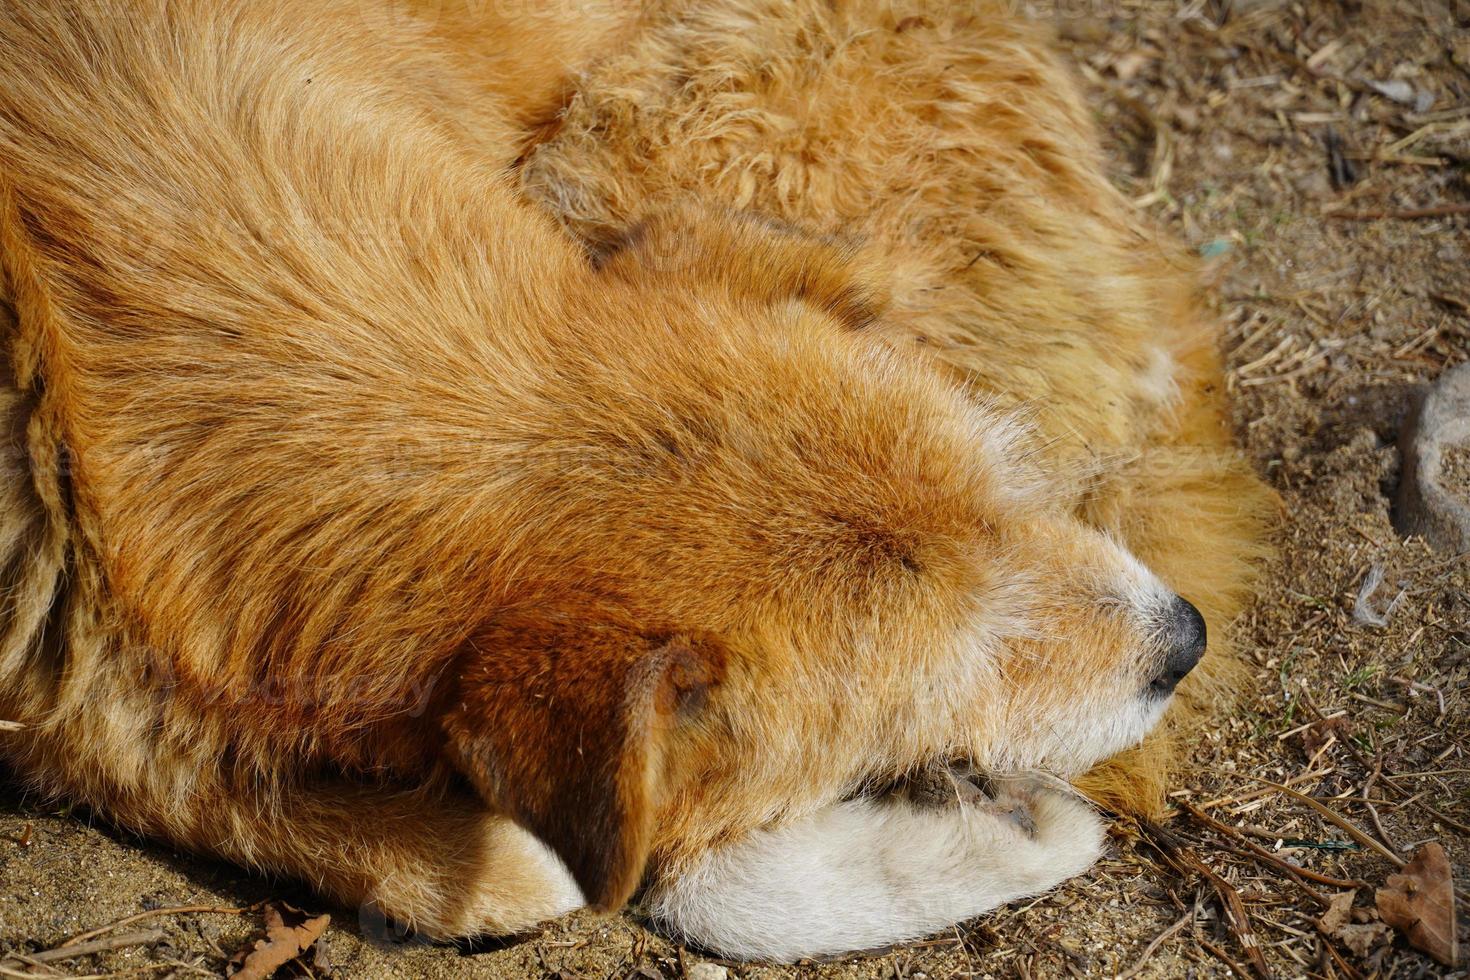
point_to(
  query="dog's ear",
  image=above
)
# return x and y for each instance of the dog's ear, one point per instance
(750, 256)
(565, 721)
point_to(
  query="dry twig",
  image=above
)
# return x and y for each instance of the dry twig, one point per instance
(1401, 214)
(136, 917)
(1158, 941)
(1261, 854)
(139, 938)
(1332, 816)
(1185, 862)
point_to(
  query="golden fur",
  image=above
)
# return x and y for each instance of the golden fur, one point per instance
(361, 521)
(948, 146)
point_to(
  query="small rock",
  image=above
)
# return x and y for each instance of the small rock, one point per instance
(1434, 494)
(706, 971)
(1396, 89)
(1127, 66)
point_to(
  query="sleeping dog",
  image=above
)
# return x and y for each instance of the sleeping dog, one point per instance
(375, 522)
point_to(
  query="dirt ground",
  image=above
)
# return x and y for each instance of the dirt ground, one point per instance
(1318, 154)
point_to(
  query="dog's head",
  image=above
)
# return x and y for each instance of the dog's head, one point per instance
(770, 558)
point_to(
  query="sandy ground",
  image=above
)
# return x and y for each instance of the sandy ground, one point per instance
(1288, 143)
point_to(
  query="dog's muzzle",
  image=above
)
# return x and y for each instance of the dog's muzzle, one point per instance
(1184, 645)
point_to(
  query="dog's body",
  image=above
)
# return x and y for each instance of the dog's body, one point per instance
(364, 529)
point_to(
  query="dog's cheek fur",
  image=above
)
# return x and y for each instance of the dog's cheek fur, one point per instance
(564, 721)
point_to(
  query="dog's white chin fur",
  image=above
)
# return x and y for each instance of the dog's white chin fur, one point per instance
(1102, 734)
(865, 873)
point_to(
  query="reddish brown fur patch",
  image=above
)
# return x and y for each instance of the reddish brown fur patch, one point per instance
(563, 720)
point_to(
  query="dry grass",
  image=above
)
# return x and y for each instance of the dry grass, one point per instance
(1320, 154)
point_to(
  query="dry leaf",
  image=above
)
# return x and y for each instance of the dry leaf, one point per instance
(1420, 903)
(1362, 939)
(1316, 735)
(282, 943)
(1339, 909)
(1357, 929)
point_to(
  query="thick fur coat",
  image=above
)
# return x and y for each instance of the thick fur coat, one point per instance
(483, 467)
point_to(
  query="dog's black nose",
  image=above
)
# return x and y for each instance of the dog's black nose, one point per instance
(1184, 645)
